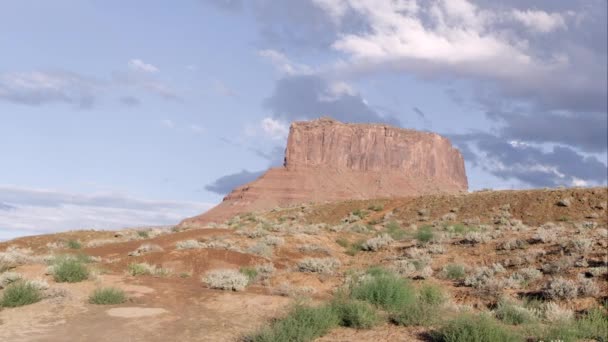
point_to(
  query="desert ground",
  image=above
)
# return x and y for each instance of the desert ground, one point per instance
(528, 264)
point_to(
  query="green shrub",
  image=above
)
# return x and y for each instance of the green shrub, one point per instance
(376, 207)
(355, 248)
(394, 230)
(301, 324)
(342, 242)
(143, 234)
(454, 271)
(424, 234)
(384, 289)
(424, 310)
(594, 325)
(70, 271)
(355, 314)
(431, 294)
(107, 296)
(512, 313)
(74, 244)
(250, 272)
(479, 328)
(19, 294)
(360, 213)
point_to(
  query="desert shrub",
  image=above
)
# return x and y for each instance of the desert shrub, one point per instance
(384, 289)
(454, 271)
(558, 266)
(145, 249)
(479, 328)
(250, 272)
(140, 269)
(253, 234)
(593, 325)
(8, 278)
(302, 324)
(511, 313)
(552, 312)
(272, 240)
(377, 243)
(436, 249)
(424, 234)
(476, 237)
(560, 288)
(512, 244)
(578, 245)
(107, 296)
(423, 310)
(261, 249)
(143, 234)
(69, 270)
(74, 244)
(226, 279)
(19, 294)
(526, 275)
(587, 287)
(342, 242)
(188, 244)
(395, 231)
(376, 207)
(355, 314)
(311, 248)
(355, 247)
(319, 265)
(431, 294)
(15, 256)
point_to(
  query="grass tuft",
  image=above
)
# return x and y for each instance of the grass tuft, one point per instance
(301, 324)
(384, 289)
(19, 294)
(479, 328)
(70, 270)
(74, 244)
(107, 296)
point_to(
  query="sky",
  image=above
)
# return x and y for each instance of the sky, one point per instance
(130, 113)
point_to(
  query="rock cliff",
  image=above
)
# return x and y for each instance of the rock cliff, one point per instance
(326, 160)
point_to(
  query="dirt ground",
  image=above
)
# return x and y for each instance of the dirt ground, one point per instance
(180, 307)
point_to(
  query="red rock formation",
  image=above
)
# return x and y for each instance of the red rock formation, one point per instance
(327, 160)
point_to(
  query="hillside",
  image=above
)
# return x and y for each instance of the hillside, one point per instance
(536, 254)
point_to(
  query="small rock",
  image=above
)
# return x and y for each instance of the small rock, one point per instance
(592, 216)
(423, 212)
(564, 202)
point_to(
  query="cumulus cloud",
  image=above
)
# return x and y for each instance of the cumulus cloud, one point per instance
(36, 211)
(275, 129)
(515, 160)
(540, 21)
(141, 66)
(310, 96)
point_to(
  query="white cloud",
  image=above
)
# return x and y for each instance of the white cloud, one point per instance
(274, 129)
(139, 65)
(539, 21)
(36, 211)
(40, 87)
(284, 64)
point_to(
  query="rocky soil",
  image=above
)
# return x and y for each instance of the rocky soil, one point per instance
(542, 251)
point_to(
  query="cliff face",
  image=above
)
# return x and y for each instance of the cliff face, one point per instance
(326, 160)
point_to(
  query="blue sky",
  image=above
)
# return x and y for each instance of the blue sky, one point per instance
(117, 113)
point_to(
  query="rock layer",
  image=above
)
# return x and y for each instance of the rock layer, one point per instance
(326, 160)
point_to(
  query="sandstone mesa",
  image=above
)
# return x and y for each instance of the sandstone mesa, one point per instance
(326, 160)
